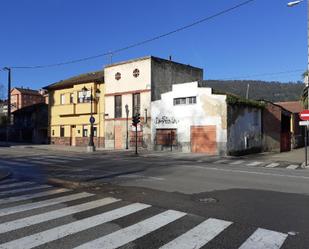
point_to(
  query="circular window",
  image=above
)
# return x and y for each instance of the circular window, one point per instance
(118, 76)
(136, 73)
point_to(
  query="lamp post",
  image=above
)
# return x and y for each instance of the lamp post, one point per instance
(127, 138)
(8, 122)
(292, 4)
(91, 146)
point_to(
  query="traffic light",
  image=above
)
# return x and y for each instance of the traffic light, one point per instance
(136, 119)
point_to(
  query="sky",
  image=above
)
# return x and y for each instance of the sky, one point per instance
(264, 40)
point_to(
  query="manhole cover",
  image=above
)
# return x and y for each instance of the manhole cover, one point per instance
(208, 200)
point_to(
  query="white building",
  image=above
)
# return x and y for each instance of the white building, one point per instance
(193, 119)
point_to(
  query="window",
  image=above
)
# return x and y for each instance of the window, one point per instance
(136, 103)
(95, 131)
(185, 101)
(118, 76)
(62, 99)
(53, 132)
(71, 98)
(136, 73)
(85, 131)
(118, 106)
(61, 131)
(82, 99)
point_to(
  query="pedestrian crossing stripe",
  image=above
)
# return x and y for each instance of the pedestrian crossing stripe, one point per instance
(272, 165)
(138, 230)
(237, 162)
(263, 239)
(14, 191)
(31, 196)
(292, 166)
(40, 204)
(73, 227)
(199, 235)
(254, 163)
(36, 219)
(18, 184)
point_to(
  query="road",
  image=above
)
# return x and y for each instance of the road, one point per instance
(215, 203)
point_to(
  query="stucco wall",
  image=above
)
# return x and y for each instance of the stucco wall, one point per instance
(244, 129)
(209, 109)
(126, 87)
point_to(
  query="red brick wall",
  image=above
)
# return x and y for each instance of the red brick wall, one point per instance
(61, 140)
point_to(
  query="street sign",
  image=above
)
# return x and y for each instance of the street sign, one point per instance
(304, 123)
(92, 120)
(304, 115)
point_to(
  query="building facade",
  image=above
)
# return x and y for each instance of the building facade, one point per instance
(191, 118)
(135, 84)
(23, 97)
(70, 107)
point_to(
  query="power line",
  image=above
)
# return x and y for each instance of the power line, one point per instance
(141, 42)
(264, 74)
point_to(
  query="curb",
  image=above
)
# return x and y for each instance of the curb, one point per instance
(70, 184)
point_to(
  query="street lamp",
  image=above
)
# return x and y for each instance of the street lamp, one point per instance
(8, 122)
(292, 4)
(91, 146)
(127, 138)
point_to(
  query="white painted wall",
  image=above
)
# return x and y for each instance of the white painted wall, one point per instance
(210, 109)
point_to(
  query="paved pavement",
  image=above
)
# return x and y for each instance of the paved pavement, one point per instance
(43, 216)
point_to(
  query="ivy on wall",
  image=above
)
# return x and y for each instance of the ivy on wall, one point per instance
(236, 100)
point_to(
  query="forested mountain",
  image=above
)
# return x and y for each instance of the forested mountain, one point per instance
(272, 91)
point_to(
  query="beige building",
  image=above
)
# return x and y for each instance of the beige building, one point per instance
(70, 109)
(136, 83)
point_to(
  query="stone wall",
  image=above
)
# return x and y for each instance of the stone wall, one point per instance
(61, 140)
(80, 141)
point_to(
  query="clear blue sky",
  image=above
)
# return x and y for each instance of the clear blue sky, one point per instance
(261, 38)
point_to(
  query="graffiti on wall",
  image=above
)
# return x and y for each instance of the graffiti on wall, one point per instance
(166, 120)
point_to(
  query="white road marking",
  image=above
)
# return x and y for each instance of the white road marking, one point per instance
(18, 184)
(237, 162)
(292, 166)
(36, 219)
(6, 181)
(264, 239)
(29, 196)
(41, 238)
(14, 191)
(272, 165)
(221, 161)
(128, 234)
(199, 235)
(39, 204)
(254, 163)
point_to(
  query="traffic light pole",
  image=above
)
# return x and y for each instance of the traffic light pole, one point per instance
(136, 139)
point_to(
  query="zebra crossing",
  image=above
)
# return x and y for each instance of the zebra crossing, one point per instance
(40, 159)
(250, 163)
(51, 217)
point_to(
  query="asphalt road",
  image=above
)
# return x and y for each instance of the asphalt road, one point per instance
(244, 200)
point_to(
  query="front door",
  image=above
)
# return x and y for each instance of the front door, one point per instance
(118, 137)
(73, 135)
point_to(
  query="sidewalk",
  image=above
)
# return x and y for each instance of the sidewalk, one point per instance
(294, 156)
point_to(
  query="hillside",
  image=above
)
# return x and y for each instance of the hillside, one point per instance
(273, 91)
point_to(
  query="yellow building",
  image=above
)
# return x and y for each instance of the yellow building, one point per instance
(70, 110)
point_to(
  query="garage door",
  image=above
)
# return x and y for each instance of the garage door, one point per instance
(203, 139)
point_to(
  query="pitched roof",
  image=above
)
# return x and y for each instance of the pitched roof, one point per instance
(292, 106)
(27, 91)
(97, 77)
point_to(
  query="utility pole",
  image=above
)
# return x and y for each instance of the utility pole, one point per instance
(247, 93)
(8, 122)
